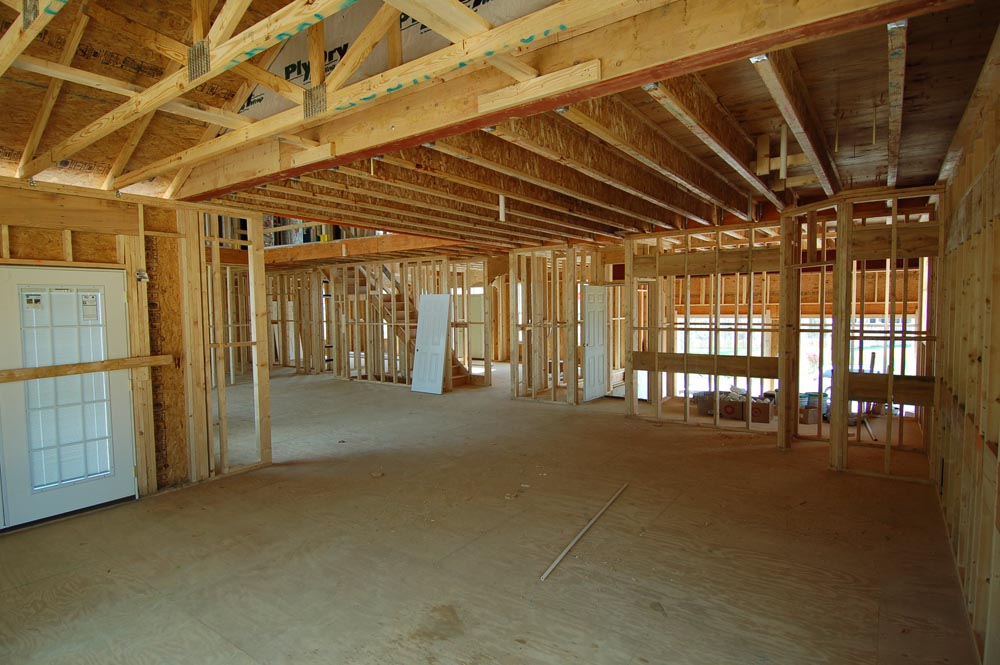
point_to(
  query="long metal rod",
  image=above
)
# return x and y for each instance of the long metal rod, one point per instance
(580, 535)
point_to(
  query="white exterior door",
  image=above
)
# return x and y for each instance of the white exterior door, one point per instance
(432, 352)
(595, 342)
(66, 443)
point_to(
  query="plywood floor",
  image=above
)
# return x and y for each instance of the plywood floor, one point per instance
(416, 534)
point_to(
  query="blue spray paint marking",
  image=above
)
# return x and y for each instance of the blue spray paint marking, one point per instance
(369, 97)
(562, 28)
(282, 36)
(254, 51)
(461, 63)
(394, 88)
(527, 40)
(547, 33)
(52, 12)
(350, 105)
(489, 53)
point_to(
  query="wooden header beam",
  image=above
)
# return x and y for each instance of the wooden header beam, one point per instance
(342, 249)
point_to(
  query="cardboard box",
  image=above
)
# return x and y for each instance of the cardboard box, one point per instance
(808, 415)
(762, 412)
(731, 409)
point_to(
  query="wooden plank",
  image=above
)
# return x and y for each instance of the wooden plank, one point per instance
(294, 17)
(73, 369)
(897, 80)
(540, 87)
(781, 75)
(316, 40)
(760, 367)
(364, 246)
(49, 210)
(273, 82)
(912, 390)
(914, 240)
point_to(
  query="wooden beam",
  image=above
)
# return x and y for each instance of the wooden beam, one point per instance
(500, 156)
(294, 17)
(541, 87)
(52, 93)
(213, 130)
(454, 21)
(201, 19)
(435, 96)
(228, 20)
(181, 107)
(358, 52)
(50, 371)
(17, 37)
(615, 121)
(48, 210)
(135, 134)
(780, 73)
(394, 45)
(350, 247)
(548, 136)
(316, 38)
(173, 49)
(261, 76)
(385, 18)
(980, 102)
(897, 80)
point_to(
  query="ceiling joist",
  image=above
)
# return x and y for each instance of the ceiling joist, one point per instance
(780, 74)
(616, 122)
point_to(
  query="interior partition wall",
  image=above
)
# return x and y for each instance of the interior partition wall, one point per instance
(702, 332)
(875, 384)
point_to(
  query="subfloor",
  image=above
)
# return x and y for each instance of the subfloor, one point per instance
(405, 528)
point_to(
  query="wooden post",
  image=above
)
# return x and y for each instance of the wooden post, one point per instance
(629, 291)
(258, 316)
(841, 337)
(572, 327)
(195, 328)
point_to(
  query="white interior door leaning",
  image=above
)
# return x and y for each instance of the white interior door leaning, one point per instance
(595, 342)
(67, 442)
(433, 321)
